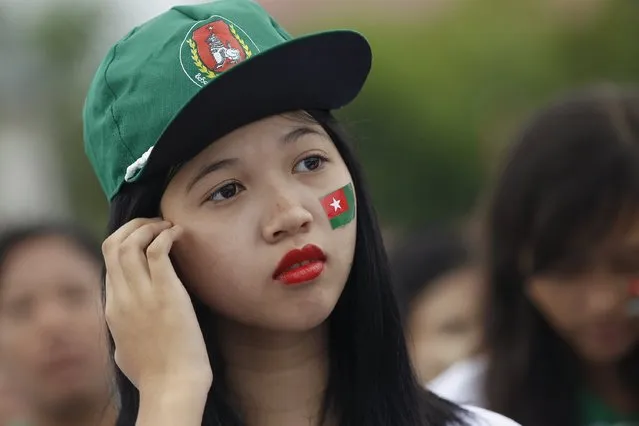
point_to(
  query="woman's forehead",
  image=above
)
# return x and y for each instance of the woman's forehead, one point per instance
(262, 141)
(279, 129)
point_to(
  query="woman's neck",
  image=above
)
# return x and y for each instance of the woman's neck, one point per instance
(277, 378)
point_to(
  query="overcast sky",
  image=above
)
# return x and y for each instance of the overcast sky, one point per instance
(124, 14)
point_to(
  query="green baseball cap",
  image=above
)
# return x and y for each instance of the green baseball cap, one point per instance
(195, 73)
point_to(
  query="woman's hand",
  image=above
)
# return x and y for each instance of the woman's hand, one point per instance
(159, 344)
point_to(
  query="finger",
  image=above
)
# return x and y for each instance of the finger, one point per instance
(108, 294)
(133, 258)
(160, 266)
(128, 228)
(111, 247)
(114, 274)
(108, 288)
(112, 307)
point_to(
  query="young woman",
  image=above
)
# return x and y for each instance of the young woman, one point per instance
(246, 280)
(564, 248)
(440, 297)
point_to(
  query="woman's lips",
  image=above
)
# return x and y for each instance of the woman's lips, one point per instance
(300, 265)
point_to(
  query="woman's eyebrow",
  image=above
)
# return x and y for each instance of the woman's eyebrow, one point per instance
(210, 168)
(289, 137)
(299, 132)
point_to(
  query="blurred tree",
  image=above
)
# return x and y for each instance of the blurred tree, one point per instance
(606, 48)
(443, 96)
(64, 37)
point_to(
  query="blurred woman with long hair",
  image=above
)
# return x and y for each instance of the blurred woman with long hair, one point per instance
(563, 251)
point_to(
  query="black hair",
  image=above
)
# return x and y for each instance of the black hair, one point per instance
(371, 381)
(572, 175)
(422, 257)
(13, 236)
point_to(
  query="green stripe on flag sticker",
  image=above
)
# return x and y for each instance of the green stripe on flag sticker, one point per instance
(339, 205)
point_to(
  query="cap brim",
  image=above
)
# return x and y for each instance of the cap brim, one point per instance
(322, 71)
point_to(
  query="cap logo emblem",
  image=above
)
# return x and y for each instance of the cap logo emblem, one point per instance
(212, 48)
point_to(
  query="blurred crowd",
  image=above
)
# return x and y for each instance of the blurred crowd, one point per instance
(518, 292)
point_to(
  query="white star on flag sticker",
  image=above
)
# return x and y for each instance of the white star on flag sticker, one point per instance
(336, 204)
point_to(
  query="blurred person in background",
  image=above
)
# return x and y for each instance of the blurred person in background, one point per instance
(440, 298)
(563, 247)
(53, 341)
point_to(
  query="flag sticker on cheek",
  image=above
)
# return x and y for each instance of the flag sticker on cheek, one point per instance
(633, 304)
(339, 206)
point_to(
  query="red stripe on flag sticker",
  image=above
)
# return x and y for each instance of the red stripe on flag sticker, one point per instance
(339, 206)
(335, 203)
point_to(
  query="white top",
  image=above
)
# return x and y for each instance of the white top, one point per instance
(462, 382)
(483, 417)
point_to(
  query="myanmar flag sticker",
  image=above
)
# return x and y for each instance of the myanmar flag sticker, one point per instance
(339, 206)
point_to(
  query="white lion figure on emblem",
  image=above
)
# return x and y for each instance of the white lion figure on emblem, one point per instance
(222, 53)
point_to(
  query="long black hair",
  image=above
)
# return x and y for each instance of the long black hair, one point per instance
(371, 381)
(566, 182)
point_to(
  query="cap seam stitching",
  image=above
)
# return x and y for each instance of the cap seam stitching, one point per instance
(115, 98)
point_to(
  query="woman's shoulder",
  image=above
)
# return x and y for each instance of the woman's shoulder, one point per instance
(481, 417)
(462, 383)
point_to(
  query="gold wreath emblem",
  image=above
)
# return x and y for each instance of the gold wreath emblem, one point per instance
(239, 39)
(198, 62)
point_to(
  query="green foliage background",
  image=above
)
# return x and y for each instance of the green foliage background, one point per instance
(444, 96)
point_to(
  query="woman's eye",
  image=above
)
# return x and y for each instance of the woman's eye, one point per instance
(309, 164)
(226, 192)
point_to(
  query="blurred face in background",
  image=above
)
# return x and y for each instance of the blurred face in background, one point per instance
(444, 322)
(586, 299)
(52, 333)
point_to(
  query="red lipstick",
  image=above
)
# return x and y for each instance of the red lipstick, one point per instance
(300, 265)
